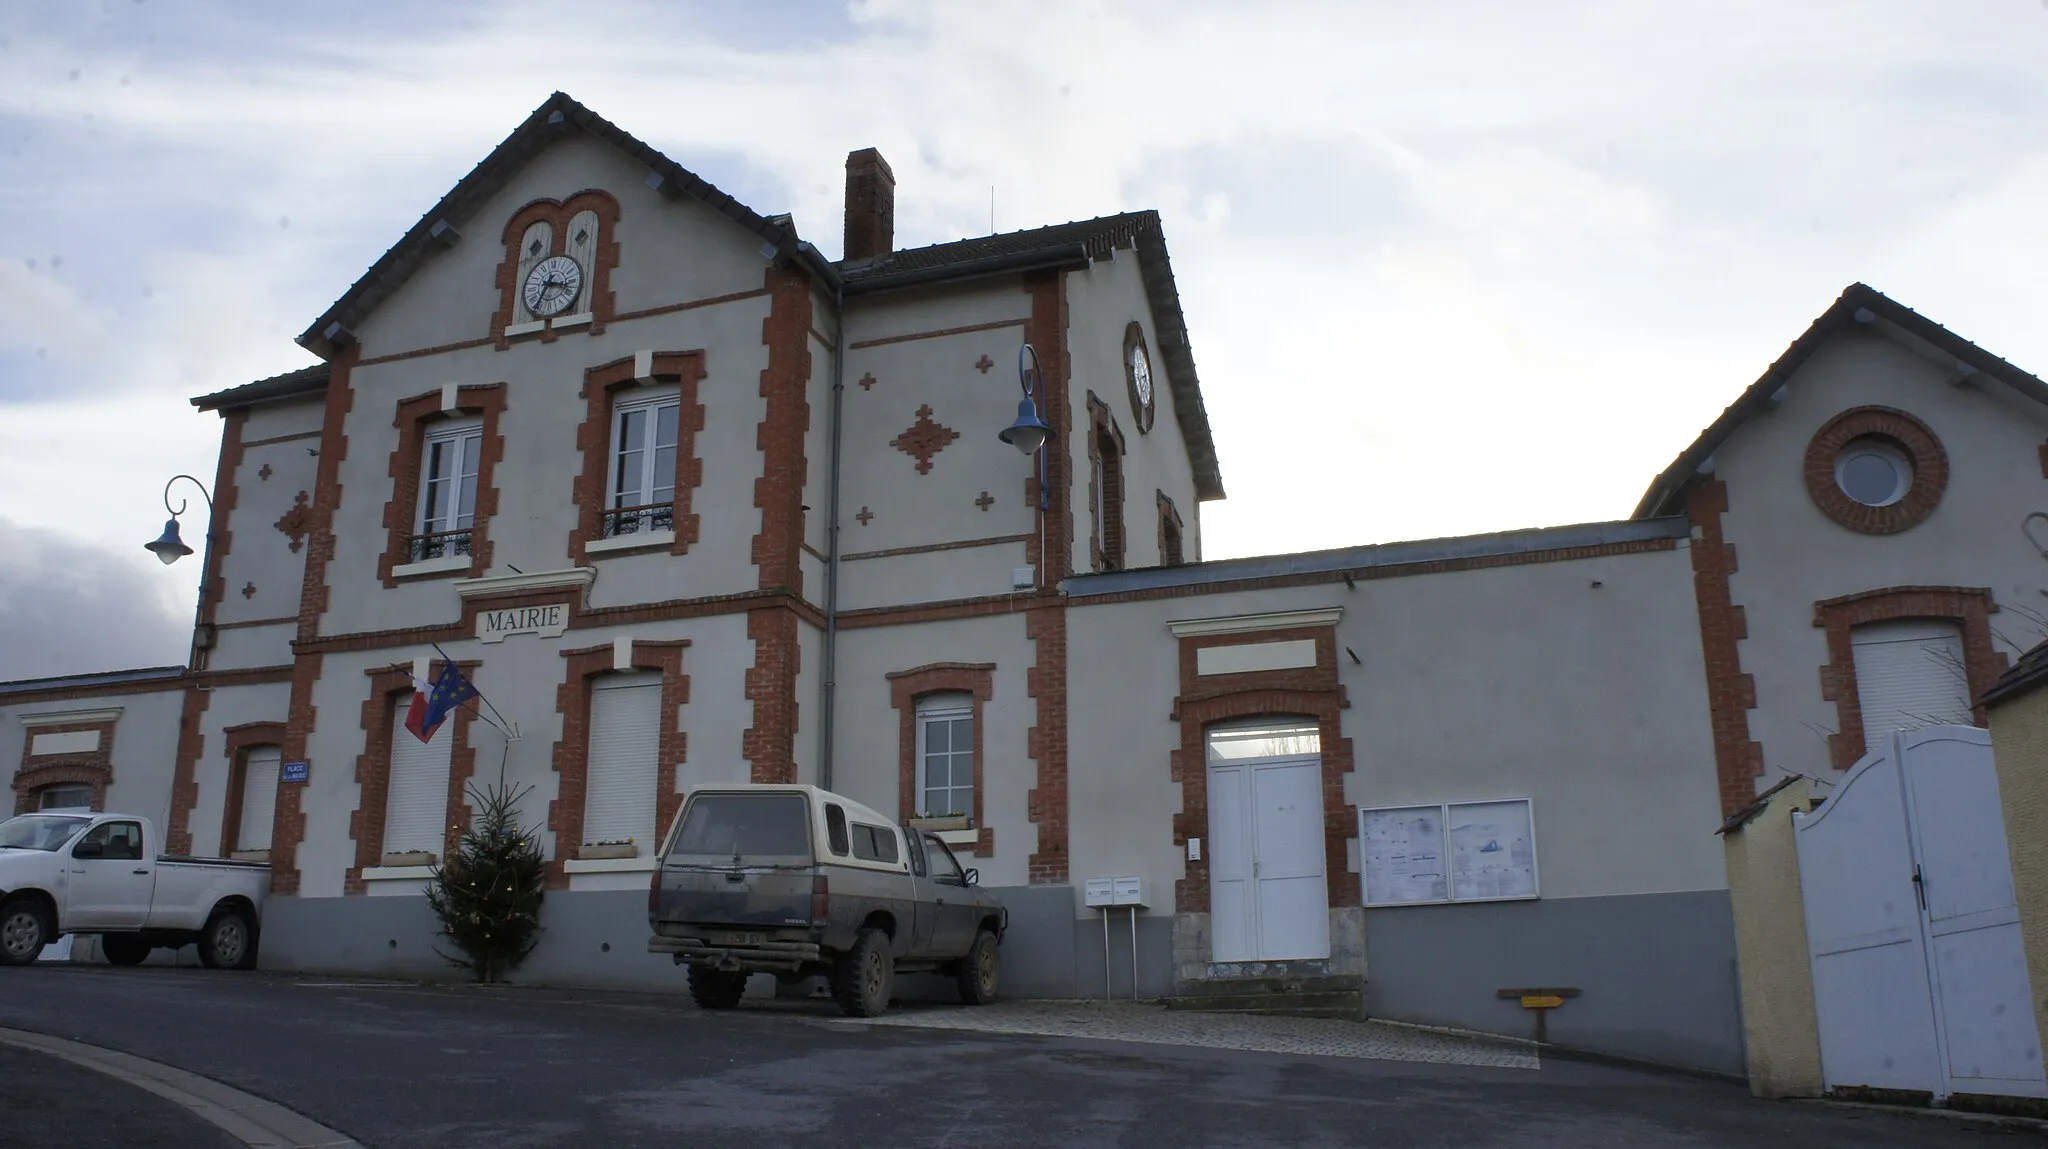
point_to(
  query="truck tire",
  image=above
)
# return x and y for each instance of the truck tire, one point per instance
(124, 949)
(23, 932)
(980, 969)
(716, 988)
(228, 941)
(864, 975)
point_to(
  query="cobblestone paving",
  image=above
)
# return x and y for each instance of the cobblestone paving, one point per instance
(1147, 1022)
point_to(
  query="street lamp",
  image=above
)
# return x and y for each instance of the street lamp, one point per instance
(1030, 432)
(168, 547)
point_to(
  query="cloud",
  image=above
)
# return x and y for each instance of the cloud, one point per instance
(68, 607)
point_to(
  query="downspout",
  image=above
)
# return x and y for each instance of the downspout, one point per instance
(828, 684)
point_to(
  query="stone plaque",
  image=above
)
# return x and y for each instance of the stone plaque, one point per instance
(547, 621)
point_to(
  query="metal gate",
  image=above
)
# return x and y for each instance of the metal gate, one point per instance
(1919, 978)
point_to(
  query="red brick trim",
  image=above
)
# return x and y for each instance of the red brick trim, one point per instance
(594, 445)
(580, 617)
(928, 548)
(313, 592)
(1970, 608)
(597, 294)
(390, 688)
(1106, 547)
(1731, 694)
(572, 751)
(769, 745)
(1903, 431)
(237, 742)
(1047, 334)
(941, 333)
(1205, 700)
(975, 679)
(924, 439)
(94, 768)
(415, 416)
(1141, 412)
(220, 532)
(185, 771)
(1046, 684)
(241, 676)
(1172, 535)
(423, 352)
(290, 828)
(2044, 460)
(294, 523)
(688, 305)
(1050, 551)
(785, 421)
(276, 439)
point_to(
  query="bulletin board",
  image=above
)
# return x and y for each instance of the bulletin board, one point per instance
(1452, 852)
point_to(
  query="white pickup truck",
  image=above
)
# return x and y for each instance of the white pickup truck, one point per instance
(76, 872)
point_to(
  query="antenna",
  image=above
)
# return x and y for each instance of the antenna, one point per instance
(991, 209)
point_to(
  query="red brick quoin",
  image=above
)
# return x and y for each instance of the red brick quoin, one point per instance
(1970, 608)
(1311, 692)
(1900, 430)
(1731, 694)
(974, 679)
(572, 752)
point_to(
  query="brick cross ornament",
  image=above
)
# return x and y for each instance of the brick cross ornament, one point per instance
(924, 439)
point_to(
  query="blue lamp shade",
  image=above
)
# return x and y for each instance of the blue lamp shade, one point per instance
(168, 547)
(1029, 432)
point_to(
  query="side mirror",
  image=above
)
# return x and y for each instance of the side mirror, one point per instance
(89, 850)
(973, 876)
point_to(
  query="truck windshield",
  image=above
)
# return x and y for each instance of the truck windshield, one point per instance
(38, 832)
(748, 825)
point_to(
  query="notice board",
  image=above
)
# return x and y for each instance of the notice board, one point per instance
(1451, 852)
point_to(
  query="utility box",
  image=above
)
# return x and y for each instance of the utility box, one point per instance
(1127, 891)
(1099, 892)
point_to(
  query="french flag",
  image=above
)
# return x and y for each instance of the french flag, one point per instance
(416, 714)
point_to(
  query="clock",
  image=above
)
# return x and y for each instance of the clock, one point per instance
(552, 286)
(1138, 373)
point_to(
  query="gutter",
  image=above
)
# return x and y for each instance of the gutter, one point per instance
(828, 685)
(1067, 257)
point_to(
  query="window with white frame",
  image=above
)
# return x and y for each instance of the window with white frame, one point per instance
(945, 755)
(643, 471)
(67, 796)
(447, 490)
(416, 793)
(623, 766)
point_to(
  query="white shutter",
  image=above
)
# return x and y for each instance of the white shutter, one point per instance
(259, 798)
(1909, 675)
(625, 746)
(416, 808)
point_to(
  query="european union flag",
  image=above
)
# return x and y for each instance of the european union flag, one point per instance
(429, 708)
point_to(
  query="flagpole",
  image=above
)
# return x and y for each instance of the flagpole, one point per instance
(502, 722)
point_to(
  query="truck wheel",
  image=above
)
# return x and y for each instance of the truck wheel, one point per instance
(864, 975)
(124, 949)
(715, 988)
(23, 933)
(979, 970)
(228, 941)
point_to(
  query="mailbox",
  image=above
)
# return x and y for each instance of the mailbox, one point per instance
(1099, 892)
(1127, 891)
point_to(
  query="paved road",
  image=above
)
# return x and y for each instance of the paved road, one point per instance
(403, 1066)
(48, 1103)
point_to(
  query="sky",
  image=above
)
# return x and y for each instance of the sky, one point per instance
(1448, 268)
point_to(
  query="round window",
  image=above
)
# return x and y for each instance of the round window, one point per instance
(1873, 471)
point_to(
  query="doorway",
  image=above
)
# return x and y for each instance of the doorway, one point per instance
(1268, 885)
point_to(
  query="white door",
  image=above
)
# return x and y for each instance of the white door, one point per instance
(1920, 980)
(259, 798)
(1268, 889)
(112, 889)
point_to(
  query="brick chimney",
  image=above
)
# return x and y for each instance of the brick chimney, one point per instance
(870, 205)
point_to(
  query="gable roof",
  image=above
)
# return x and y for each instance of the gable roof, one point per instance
(305, 381)
(1859, 304)
(2026, 676)
(558, 115)
(1073, 245)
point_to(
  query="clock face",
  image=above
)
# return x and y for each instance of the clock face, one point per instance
(1141, 375)
(552, 286)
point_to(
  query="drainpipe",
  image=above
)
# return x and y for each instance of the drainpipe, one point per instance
(829, 684)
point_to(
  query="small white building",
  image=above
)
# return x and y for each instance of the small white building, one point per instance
(691, 503)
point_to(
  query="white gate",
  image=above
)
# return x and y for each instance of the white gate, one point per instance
(1919, 978)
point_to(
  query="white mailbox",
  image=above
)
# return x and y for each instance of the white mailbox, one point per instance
(1099, 892)
(1127, 891)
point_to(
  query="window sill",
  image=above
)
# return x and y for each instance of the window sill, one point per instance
(957, 837)
(644, 541)
(611, 866)
(397, 873)
(577, 320)
(515, 330)
(431, 567)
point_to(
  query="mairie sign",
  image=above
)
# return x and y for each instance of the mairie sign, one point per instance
(498, 625)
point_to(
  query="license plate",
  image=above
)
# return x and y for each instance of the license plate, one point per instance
(734, 938)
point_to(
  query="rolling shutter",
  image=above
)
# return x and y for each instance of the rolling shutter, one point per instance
(1909, 675)
(417, 806)
(625, 746)
(259, 798)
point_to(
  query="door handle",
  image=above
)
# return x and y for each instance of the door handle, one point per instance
(1920, 889)
(141, 871)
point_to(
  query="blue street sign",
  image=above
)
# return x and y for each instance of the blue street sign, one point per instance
(293, 772)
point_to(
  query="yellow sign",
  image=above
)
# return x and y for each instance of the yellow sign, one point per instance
(1541, 1001)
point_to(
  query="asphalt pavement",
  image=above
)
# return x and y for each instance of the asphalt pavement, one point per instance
(49, 1103)
(401, 1066)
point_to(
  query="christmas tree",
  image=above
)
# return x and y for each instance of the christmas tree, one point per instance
(488, 895)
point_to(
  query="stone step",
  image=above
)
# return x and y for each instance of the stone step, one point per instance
(1275, 984)
(1327, 1003)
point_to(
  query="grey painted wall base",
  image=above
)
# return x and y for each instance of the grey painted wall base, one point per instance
(1656, 972)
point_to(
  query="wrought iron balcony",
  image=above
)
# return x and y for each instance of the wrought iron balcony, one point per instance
(437, 545)
(638, 520)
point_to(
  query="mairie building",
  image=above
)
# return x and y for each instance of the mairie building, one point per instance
(691, 503)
